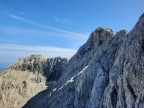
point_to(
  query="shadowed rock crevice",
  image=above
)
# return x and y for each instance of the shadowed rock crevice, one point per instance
(142, 46)
(114, 96)
(124, 99)
(132, 91)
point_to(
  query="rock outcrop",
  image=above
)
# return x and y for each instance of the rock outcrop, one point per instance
(106, 72)
(51, 68)
(27, 77)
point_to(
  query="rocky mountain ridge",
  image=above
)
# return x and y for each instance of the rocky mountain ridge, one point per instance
(51, 68)
(106, 72)
(27, 77)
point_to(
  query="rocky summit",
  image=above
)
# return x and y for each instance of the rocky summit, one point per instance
(27, 77)
(106, 72)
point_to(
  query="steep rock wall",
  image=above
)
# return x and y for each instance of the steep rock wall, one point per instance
(106, 72)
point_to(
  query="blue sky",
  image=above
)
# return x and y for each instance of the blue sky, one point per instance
(59, 27)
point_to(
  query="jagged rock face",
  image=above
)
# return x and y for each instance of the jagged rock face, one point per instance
(17, 87)
(51, 68)
(97, 38)
(126, 77)
(27, 77)
(106, 72)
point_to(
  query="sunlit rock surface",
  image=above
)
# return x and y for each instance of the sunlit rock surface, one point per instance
(27, 77)
(106, 72)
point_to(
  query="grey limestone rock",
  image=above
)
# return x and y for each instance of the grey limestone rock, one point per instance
(29, 76)
(51, 68)
(106, 72)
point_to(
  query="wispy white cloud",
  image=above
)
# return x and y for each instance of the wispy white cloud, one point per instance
(61, 20)
(13, 30)
(35, 48)
(10, 53)
(38, 36)
(40, 25)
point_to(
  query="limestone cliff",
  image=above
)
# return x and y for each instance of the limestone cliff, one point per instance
(27, 77)
(106, 72)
